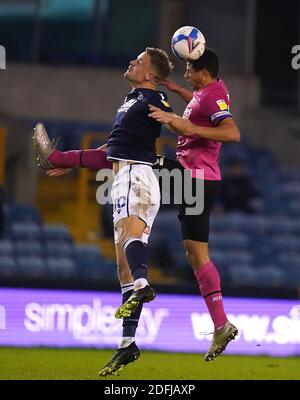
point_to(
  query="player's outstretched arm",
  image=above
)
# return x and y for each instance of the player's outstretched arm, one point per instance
(185, 94)
(226, 131)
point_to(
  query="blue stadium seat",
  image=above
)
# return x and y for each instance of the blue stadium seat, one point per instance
(167, 221)
(61, 267)
(6, 247)
(232, 257)
(229, 239)
(180, 262)
(25, 230)
(32, 266)
(287, 225)
(291, 188)
(270, 276)
(29, 248)
(292, 274)
(91, 264)
(284, 259)
(8, 267)
(106, 271)
(219, 257)
(289, 263)
(287, 173)
(88, 257)
(293, 207)
(58, 248)
(22, 213)
(288, 243)
(56, 232)
(245, 275)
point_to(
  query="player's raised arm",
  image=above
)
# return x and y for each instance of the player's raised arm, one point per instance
(184, 93)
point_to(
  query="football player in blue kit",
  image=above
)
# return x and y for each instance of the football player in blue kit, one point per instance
(135, 191)
(131, 148)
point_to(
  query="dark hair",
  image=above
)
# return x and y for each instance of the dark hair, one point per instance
(160, 61)
(209, 61)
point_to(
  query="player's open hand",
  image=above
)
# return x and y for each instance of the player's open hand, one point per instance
(160, 115)
(58, 171)
(171, 85)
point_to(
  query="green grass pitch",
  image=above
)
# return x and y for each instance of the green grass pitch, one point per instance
(80, 364)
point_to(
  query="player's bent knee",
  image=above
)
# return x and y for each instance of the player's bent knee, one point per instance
(130, 228)
(197, 260)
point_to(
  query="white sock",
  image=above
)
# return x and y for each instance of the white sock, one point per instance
(126, 287)
(140, 283)
(125, 342)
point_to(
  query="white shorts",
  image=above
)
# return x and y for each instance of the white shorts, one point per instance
(135, 192)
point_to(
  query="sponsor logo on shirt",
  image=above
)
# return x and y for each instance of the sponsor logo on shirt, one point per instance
(187, 112)
(165, 103)
(222, 105)
(128, 104)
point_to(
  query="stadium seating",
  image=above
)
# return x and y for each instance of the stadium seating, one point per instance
(59, 248)
(91, 264)
(61, 267)
(261, 249)
(8, 267)
(25, 230)
(56, 232)
(21, 213)
(31, 266)
(6, 247)
(243, 276)
(28, 248)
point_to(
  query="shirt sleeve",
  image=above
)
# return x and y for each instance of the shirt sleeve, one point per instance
(216, 108)
(160, 100)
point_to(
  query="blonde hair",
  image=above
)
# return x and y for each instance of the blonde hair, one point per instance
(160, 62)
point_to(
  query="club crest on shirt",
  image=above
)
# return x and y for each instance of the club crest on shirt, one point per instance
(222, 105)
(187, 112)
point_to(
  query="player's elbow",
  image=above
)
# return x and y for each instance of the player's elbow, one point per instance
(232, 131)
(235, 135)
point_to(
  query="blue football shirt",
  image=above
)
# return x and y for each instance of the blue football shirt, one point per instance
(134, 133)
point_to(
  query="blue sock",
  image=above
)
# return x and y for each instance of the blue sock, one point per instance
(130, 324)
(137, 257)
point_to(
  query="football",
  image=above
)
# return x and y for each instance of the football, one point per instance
(188, 43)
